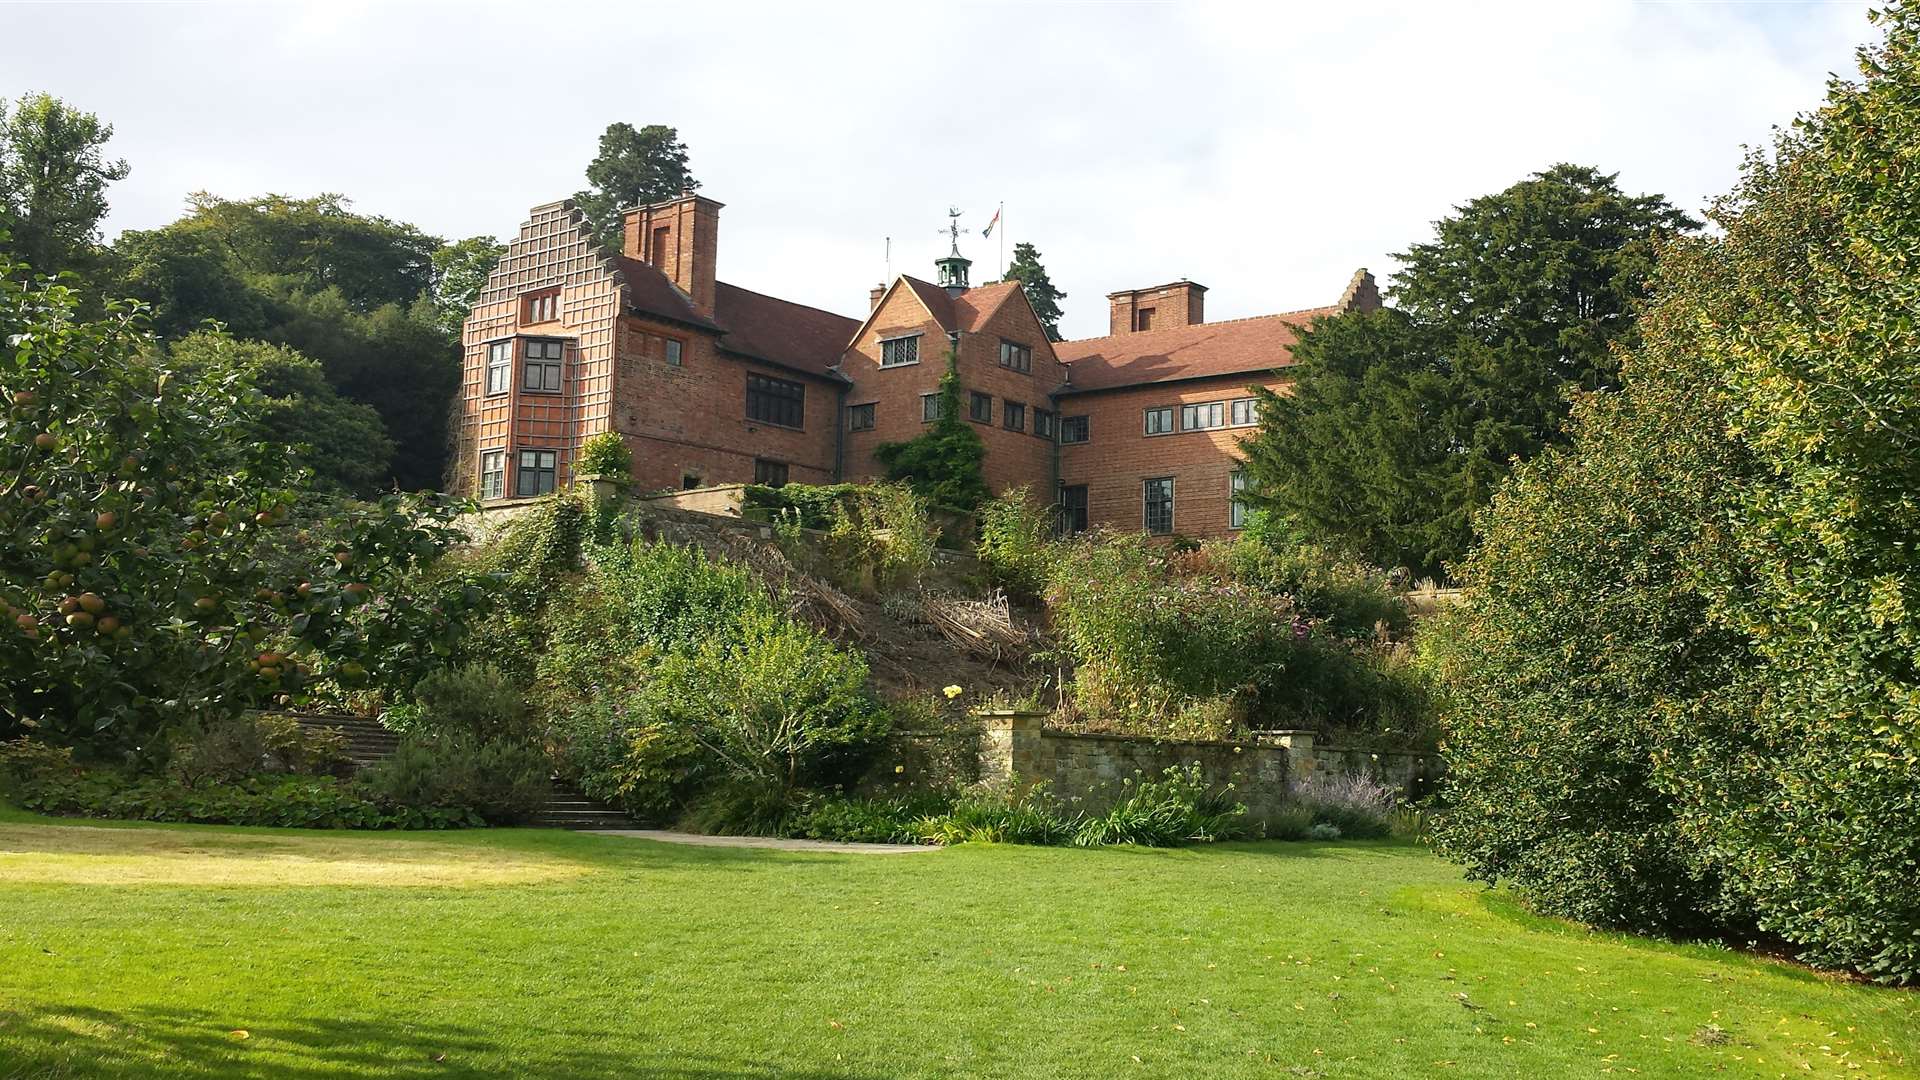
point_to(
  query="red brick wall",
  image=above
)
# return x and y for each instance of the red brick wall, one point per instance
(689, 251)
(1013, 458)
(1118, 456)
(693, 418)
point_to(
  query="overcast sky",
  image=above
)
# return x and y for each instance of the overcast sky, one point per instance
(1265, 150)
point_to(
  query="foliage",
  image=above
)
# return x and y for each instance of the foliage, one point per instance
(154, 571)
(775, 705)
(605, 454)
(1016, 813)
(471, 699)
(892, 820)
(53, 181)
(1041, 293)
(1184, 646)
(944, 462)
(501, 778)
(1353, 804)
(297, 802)
(1718, 732)
(1016, 542)
(1177, 807)
(1401, 422)
(228, 749)
(342, 442)
(1354, 598)
(460, 271)
(812, 506)
(355, 292)
(633, 168)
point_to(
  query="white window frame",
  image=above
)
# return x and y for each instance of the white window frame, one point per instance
(499, 368)
(1216, 411)
(1146, 519)
(493, 482)
(905, 343)
(676, 351)
(1236, 510)
(1247, 407)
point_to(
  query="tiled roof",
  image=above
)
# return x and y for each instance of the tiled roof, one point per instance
(935, 298)
(751, 324)
(972, 309)
(1235, 347)
(653, 294)
(785, 333)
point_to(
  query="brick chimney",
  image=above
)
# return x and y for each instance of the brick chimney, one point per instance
(680, 238)
(1362, 293)
(1181, 303)
(874, 295)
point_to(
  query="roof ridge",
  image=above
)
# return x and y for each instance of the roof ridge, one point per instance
(1217, 322)
(784, 300)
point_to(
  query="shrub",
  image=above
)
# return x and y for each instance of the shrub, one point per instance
(472, 699)
(647, 770)
(812, 506)
(1356, 804)
(1016, 542)
(308, 802)
(605, 454)
(1324, 830)
(869, 821)
(1014, 814)
(27, 764)
(1177, 807)
(503, 780)
(225, 749)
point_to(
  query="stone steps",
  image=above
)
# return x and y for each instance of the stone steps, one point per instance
(368, 742)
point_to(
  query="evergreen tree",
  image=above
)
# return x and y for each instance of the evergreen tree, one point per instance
(1032, 276)
(53, 182)
(1402, 425)
(460, 271)
(634, 167)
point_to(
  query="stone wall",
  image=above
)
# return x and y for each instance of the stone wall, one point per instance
(1092, 768)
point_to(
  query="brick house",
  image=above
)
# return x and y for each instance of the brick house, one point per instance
(710, 383)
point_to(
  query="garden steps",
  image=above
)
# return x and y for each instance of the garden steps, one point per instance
(369, 741)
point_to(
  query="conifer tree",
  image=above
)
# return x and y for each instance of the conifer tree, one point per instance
(1026, 269)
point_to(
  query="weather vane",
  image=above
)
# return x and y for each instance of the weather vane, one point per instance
(953, 229)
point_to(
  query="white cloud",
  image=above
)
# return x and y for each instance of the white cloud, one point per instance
(1263, 149)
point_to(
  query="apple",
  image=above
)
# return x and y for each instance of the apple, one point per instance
(79, 620)
(28, 625)
(92, 603)
(45, 441)
(108, 625)
(106, 520)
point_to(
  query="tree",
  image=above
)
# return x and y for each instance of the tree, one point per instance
(460, 271)
(1026, 269)
(157, 571)
(53, 182)
(942, 464)
(1684, 686)
(633, 167)
(342, 442)
(355, 293)
(1520, 299)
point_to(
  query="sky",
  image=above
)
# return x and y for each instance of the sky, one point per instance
(1265, 150)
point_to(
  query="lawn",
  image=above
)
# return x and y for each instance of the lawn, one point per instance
(200, 952)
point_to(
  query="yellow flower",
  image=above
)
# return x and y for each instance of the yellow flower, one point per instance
(899, 768)
(953, 692)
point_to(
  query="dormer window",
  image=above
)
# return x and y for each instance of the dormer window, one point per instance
(540, 307)
(900, 351)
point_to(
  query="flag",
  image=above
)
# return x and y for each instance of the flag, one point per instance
(994, 224)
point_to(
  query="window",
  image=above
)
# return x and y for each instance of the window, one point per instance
(673, 352)
(1013, 416)
(493, 474)
(1157, 502)
(1160, 420)
(1073, 429)
(499, 367)
(1212, 414)
(536, 472)
(776, 401)
(895, 352)
(1016, 356)
(540, 373)
(543, 306)
(929, 408)
(1045, 424)
(770, 473)
(1236, 510)
(1143, 319)
(1245, 412)
(860, 417)
(1073, 508)
(980, 407)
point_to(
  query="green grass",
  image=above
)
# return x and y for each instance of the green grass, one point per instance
(147, 950)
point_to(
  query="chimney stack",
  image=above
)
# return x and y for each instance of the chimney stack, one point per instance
(1181, 303)
(681, 239)
(873, 297)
